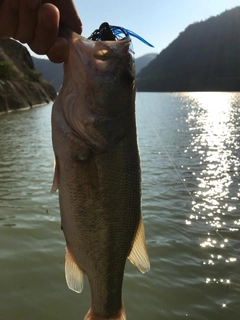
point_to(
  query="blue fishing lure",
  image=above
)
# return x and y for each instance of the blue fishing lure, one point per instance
(107, 32)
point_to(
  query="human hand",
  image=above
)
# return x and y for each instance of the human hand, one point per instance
(36, 23)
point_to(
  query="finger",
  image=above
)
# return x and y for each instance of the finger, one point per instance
(28, 14)
(46, 30)
(58, 52)
(8, 18)
(68, 14)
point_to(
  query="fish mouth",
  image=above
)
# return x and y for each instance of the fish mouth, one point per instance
(100, 51)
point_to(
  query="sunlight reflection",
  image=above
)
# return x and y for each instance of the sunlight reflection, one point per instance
(215, 141)
(214, 280)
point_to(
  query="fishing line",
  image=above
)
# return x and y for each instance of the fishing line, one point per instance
(165, 150)
(178, 174)
(110, 32)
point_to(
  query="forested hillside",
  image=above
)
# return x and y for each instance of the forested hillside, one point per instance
(204, 57)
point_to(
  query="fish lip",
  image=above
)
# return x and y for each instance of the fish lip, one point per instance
(118, 48)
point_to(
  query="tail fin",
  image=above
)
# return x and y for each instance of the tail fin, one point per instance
(91, 315)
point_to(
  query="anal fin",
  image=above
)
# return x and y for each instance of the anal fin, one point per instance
(138, 255)
(74, 275)
(56, 176)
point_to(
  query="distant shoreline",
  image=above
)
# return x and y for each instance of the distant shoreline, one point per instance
(26, 108)
(190, 91)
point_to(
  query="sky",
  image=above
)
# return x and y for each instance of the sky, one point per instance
(157, 21)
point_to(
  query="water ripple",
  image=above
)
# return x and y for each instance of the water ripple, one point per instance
(189, 145)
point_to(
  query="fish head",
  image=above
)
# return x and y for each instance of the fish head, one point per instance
(106, 70)
(99, 88)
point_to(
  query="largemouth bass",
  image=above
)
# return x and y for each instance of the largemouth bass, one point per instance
(97, 171)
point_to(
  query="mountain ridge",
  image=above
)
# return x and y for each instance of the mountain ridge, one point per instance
(204, 57)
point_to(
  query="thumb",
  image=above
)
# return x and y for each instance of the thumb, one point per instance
(68, 14)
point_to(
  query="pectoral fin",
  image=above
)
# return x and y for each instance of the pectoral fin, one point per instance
(56, 176)
(138, 255)
(74, 275)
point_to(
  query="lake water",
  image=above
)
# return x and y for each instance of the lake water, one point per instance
(190, 151)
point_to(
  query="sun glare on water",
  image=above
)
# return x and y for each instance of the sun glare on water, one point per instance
(214, 142)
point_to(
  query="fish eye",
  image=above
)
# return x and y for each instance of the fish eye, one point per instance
(127, 78)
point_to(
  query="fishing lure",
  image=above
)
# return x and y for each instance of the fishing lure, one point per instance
(107, 32)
